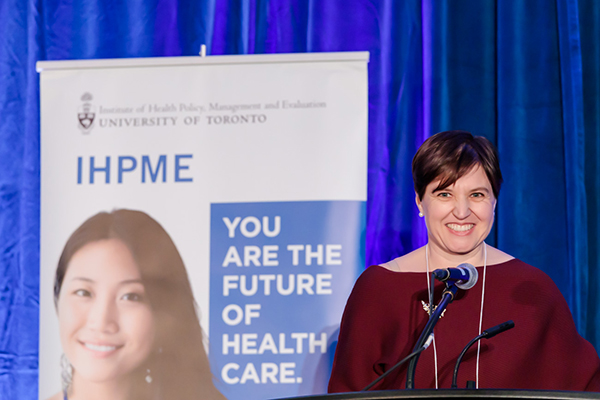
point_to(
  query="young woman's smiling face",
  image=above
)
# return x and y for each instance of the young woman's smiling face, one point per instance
(459, 217)
(106, 323)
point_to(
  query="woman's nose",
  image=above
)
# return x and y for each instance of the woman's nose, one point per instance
(103, 316)
(462, 208)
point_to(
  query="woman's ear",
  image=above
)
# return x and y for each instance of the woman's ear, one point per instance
(419, 206)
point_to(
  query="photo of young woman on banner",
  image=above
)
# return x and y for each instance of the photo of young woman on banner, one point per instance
(129, 327)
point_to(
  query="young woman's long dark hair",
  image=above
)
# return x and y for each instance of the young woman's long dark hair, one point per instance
(178, 364)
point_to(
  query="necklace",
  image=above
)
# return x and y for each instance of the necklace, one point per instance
(429, 308)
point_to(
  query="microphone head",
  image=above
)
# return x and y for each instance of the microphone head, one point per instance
(473, 276)
(490, 333)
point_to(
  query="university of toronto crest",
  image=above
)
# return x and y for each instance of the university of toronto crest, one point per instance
(86, 113)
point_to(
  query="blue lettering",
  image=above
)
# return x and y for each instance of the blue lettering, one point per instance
(162, 162)
(79, 169)
(106, 170)
(179, 167)
(132, 163)
(154, 171)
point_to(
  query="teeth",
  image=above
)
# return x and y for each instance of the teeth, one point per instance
(460, 228)
(99, 348)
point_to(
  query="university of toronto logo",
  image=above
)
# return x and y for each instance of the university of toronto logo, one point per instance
(85, 113)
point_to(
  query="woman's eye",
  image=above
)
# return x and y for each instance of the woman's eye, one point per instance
(444, 194)
(82, 293)
(477, 194)
(132, 297)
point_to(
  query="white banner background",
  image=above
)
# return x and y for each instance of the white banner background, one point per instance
(304, 139)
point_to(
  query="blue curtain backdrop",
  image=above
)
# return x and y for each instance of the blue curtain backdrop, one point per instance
(525, 74)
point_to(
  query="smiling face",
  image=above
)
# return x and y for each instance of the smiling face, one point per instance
(459, 217)
(106, 323)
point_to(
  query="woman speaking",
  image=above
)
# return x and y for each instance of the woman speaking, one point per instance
(457, 180)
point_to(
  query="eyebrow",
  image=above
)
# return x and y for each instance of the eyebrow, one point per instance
(124, 282)
(79, 278)
(478, 189)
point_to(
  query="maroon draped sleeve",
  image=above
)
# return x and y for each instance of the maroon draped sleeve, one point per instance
(365, 335)
(384, 317)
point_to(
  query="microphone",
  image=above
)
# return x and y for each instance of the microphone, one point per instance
(490, 333)
(465, 275)
(487, 334)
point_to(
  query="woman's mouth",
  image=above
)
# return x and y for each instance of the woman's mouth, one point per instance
(101, 349)
(460, 228)
(97, 347)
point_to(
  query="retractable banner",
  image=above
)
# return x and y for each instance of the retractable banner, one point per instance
(202, 223)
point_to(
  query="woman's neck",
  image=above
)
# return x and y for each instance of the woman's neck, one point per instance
(441, 259)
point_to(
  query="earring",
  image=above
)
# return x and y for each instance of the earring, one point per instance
(148, 377)
(420, 214)
(66, 372)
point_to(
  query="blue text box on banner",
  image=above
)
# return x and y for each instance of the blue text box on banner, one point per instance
(280, 274)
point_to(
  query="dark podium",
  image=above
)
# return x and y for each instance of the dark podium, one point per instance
(452, 394)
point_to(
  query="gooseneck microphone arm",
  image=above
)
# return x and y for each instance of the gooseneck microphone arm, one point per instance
(487, 334)
(399, 363)
(447, 298)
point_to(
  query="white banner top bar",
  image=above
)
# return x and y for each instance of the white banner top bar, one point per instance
(197, 60)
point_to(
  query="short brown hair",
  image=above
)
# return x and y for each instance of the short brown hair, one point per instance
(450, 155)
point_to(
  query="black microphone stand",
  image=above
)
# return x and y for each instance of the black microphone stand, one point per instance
(447, 298)
(405, 359)
(487, 334)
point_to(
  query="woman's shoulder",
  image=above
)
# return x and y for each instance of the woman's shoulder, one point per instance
(497, 256)
(517, 267)
(383, 283)
(376, 290)
(411, 262)
(372, 277)
(525, 283)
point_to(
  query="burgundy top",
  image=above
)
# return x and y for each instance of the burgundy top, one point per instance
(384, 318)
